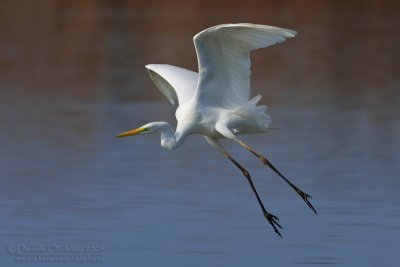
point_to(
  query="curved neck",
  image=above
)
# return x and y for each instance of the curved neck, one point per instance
(169, 138)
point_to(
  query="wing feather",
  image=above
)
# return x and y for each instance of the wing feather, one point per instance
(176, 84)
(223, 54)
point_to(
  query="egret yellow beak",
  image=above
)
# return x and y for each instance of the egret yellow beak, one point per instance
(131, 132)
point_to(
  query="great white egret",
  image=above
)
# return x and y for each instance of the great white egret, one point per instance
(216, 101)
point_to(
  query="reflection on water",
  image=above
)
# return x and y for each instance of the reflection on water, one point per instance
(76, 79)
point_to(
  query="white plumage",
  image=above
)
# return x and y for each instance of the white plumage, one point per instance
(216, 101)
(177, 84)
(223, 54)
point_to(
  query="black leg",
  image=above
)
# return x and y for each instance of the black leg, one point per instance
(266, 162)
(272, 219)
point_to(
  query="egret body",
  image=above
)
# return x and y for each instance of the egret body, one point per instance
(216, 101)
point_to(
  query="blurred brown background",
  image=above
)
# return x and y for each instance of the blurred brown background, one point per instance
(94, 49)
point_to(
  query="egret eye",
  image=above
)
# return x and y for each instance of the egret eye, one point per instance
(146, 129)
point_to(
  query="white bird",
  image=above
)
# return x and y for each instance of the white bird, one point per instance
(216, 101)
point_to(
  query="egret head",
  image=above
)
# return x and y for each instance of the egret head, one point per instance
(168, 138)
(148, 128)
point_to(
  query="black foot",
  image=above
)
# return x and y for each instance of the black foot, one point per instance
(273, 220)
(305, 197)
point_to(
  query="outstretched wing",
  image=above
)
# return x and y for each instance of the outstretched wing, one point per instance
(223, 54)
(177, 84)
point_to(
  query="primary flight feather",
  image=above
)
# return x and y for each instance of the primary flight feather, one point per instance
(216, 101)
